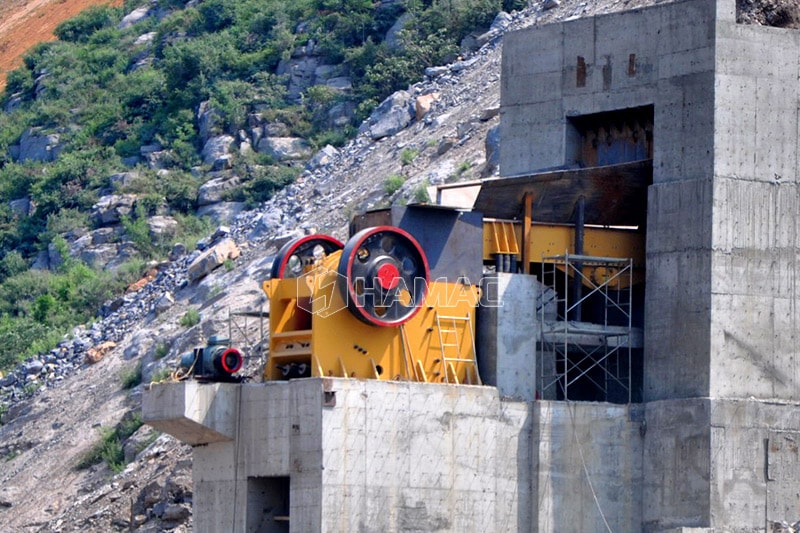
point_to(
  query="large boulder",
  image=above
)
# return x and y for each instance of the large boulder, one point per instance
(392, 39)
(97, 237)
(213, 191)
(209, 121)
(391, 116)
(323, 157)
(21, 207)
(341, 114)
(423, 104)
(35, 146)
(137, 15)
(121, 180)
(111, 208)
(212, 258)
(222, 212)
(162, 226)
(301, 70)
(284, 148)
(217, 148)
(99, 256)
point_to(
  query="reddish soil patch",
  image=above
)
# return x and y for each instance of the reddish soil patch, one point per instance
(24, 23)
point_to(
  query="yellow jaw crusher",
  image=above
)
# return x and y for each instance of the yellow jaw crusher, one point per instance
(368, 309)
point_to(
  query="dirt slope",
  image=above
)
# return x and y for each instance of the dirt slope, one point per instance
(24, 23)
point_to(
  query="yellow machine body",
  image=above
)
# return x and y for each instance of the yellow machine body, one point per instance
(310, 324)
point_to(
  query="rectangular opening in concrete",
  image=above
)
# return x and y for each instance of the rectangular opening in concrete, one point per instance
(612, 137)
(268, 504)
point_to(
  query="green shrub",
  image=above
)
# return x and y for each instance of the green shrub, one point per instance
(161, 351)
(81, 27)
(138, 231)
(408, 155)
(110, 447)
(131, 377)
(161, 375)
(393, 183)
(190, 318)
(421, 195)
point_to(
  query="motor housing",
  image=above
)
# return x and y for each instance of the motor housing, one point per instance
(216, 361)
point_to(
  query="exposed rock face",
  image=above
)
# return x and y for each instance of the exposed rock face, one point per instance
(162, 226)
(301, 71)
(492, 147)
(21, 207)
(284, 148)
(422, 104)
(137, 15)
(392, 35)
(213, 191)
(212, 258)
(217, 147)
(222, 212)
(111, 208)
(208, 121)
(323, 157)
(35, 146)
(391, 116)
(121, 180)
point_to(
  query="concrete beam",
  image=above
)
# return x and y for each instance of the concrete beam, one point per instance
(195, 413)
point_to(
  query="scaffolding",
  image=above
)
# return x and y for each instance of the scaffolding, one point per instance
(579, 358)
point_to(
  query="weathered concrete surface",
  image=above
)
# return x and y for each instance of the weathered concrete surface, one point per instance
(196, 413)
(722, 307)
(391, 456)
(755, 300)
(587, 459)
(507, 321)
(731, 465)
(722, 372)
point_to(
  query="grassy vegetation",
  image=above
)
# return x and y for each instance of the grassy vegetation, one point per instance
(420, 194)
(393, 183)
(161, 375)
(131, 377)
(161, 351)
(91, 89)
(408, 155)
(190, 318)
(109, 448)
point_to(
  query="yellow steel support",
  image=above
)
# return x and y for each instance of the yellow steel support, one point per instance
(526, 233)
(557, 239)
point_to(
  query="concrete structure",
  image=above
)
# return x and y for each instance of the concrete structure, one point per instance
(714, 445)
(332, 454)
(721, 376)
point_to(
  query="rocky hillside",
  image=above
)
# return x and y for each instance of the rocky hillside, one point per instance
(85, 393)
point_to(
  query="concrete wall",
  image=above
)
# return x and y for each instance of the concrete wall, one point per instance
(756, 200)
(588, 466)
(390, 456)
(415, 457)
(722, 244)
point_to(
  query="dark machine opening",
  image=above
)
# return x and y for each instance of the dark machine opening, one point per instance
(268, 504)
(613, 137)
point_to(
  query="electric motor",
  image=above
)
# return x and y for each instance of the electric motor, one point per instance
(217, 361)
